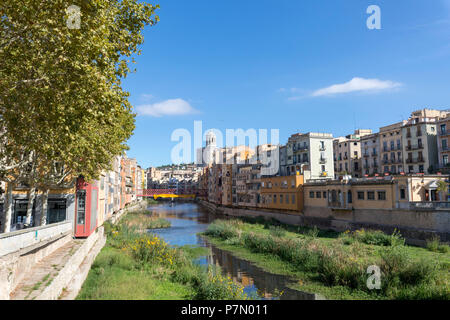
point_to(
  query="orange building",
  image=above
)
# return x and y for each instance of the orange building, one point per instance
(283, 193)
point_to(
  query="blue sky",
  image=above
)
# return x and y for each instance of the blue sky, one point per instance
(286, 65)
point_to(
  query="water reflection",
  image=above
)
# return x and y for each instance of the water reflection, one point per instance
(188, 219)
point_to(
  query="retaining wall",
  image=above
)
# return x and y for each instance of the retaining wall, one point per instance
(415, 226)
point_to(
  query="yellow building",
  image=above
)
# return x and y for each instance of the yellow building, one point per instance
(392, 192)
(283, 193)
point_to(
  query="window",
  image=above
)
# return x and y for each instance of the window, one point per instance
(287, 199)
(281, 198)
(402, 193)
(318, 195)
(370, 195)
(445, 160)
(349, 197)
(293, 199)
(311, 194)
(81, 206)
(324, 194)
(381, 195)
(360, 195)
(56, 210)
(444, 144)
(20, 212)
(274, 198)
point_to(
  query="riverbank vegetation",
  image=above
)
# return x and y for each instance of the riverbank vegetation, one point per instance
(144, 219)
(335, 264)
(136, 265)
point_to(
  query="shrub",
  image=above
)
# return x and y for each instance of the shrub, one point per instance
(152, 249)
(221, 229)
(433, 243)
(335, 268)
(443, 248)
(376, 237)
(158, 224)
(313, 233)
(418, 272)
(214, 286)
(277, 231)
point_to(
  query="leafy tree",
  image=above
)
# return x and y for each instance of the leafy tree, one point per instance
(60, 91)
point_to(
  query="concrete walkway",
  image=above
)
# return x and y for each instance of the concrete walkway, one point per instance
(43, 273)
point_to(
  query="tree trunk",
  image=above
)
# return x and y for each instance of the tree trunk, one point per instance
(44, 207)
(8, 207)
(31, 197)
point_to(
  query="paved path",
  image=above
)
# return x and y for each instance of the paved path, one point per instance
(42, 274)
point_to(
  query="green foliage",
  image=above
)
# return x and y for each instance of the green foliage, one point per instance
(158, 224)
(217, 287)
(342, 264)
(277, 231)
(372, 237)
(434, 245)
(136, 265)
(61, 94)
(221, 229)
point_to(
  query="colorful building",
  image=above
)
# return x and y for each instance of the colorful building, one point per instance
(282, 193)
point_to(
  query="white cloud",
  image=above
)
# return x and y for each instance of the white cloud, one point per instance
(357, 84)
(171, 107)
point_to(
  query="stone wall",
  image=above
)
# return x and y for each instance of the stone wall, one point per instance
(14, 266)
(71, 277)
(415, 226)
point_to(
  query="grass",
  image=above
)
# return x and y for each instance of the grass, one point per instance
(135, 265)
(144, 219)
(335, 264)
(434, 245)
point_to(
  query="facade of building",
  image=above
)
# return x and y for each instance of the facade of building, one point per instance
(311, 155)
(387, 193)
(347, 154)
(419, 136)
(282, 192)
(443, 135)
(391, 148)
(370, 154)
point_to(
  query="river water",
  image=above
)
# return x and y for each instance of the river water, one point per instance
(188, 219)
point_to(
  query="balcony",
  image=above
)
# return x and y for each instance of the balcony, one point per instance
(415, 160)
(443, 132)
(408, 135)
(365, 155)
(338, 205)
(418, 133)
(304, 148)
(414, 147)
(322, 160)
(322, 148)
(437, 205)
(374, 154)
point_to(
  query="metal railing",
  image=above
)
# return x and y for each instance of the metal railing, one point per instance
(439, 205)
